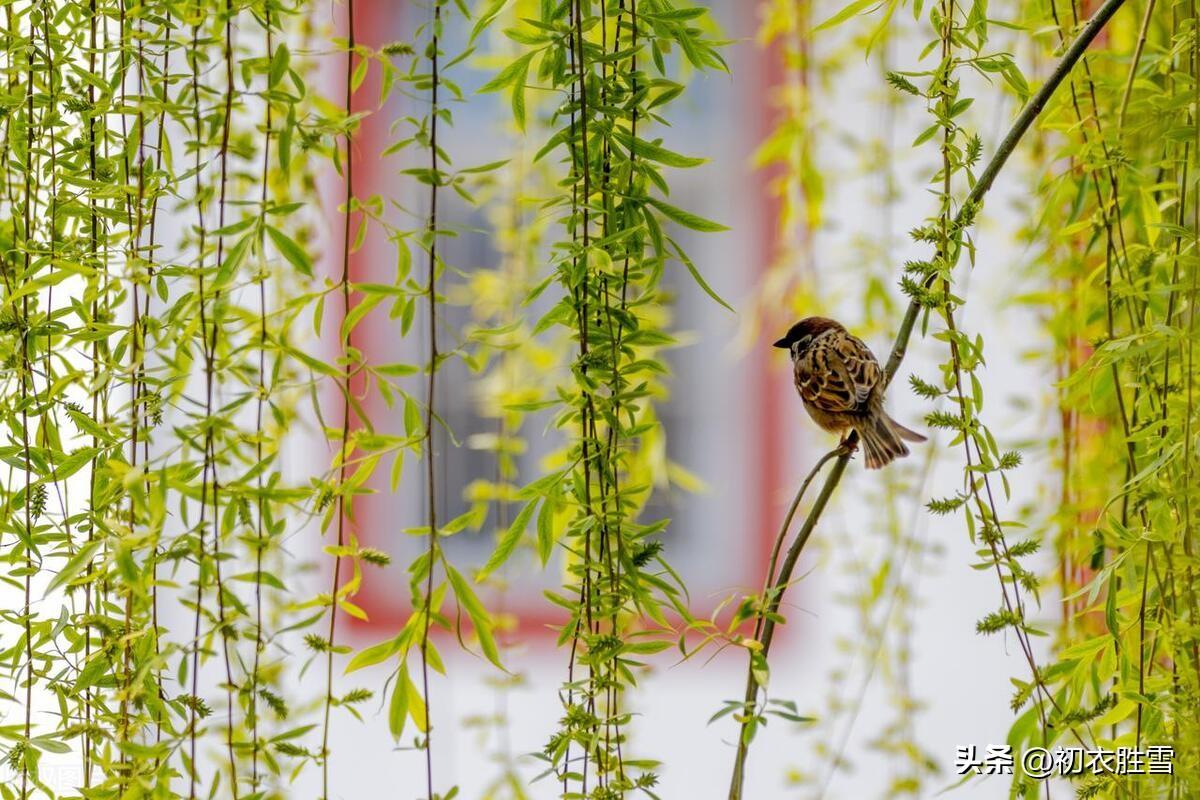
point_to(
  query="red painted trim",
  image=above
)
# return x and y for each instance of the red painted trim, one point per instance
(382, 595)
(376, 24)
(770, 370)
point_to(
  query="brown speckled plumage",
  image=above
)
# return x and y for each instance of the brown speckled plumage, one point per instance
(842, 387)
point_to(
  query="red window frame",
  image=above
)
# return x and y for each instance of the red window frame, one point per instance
(379, 22)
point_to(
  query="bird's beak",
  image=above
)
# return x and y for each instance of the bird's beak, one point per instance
(783, 343)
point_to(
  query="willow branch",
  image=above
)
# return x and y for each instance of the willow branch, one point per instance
(764, 626)
(974, 198)
(430, 464)
(344, 440)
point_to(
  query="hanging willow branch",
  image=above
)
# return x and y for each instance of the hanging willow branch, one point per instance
(607, 269)
(431, 298)
(260, 509)
(109, 322)
(843, 454)
(209, 377)
(218, 524)
(343, 455)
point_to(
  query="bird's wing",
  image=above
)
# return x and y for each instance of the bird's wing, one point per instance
(838, 373)
(860, 365)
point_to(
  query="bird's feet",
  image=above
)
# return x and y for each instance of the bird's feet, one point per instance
(847, 447)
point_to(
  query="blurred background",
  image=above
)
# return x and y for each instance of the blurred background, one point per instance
(811, 168)
(818, 161)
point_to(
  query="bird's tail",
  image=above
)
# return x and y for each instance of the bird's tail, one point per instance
(904, 433)
(883, 440)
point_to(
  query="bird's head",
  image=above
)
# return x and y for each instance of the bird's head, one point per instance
(802, 334)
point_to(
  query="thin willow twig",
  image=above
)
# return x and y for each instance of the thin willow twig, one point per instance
(580, 232)
(1133, 65)
(764, 626)
(345, 434)
(93, 471)
(260, 403)
(781, 537)
(26, 379)
(131, 257)
(430, 466)
(226, 125)
(204, 475)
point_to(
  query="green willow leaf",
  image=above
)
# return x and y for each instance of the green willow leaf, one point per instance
(481, 621)
(75, 565)
(234, 259)
(696, 276)
(377, 653)
(849, 10)
(279, 64)
(686, 218)
(654, 152)
(508, 541)
(398, 708)
(545, 532)
(510, 74)
(485, 18)
(289, 249)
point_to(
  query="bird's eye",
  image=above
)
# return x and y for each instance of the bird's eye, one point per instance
(801, 343)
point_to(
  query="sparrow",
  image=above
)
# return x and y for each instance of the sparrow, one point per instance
(842, 387)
